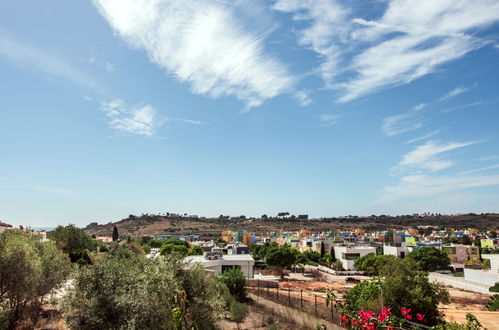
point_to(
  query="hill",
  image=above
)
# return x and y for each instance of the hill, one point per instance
(172, 224)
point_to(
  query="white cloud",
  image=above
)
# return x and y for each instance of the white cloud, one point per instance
(455, 92)
(489, 157)
(327, 30)
(110, 66)
(412, 38)
(423, 137)
(486, 168)
(401, 123)
(302, 97)
(405, 122)
(187, 121)
(136, 119)
(423, 186)
(328, 119)
(52, 190)
(426, 156)
(44, 60)
(464, 106)
(202, 43)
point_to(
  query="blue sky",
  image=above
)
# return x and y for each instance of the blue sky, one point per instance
(323, 107)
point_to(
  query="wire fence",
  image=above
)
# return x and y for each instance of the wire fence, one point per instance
(307, 302)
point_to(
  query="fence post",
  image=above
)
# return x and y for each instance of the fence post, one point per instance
(316, 313)
(289, 296)
(301, 299)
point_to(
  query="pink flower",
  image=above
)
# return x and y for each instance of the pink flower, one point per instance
(420, 317)
(386, 310)
(343, 318)
(382, 317)
(405, 311)
(366, 315)
(370, 326)
(409, 316)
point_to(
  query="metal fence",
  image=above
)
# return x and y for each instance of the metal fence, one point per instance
(307, 302)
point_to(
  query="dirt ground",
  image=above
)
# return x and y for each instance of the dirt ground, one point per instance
(464, 302)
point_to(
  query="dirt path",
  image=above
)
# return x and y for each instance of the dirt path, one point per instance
(489, 320)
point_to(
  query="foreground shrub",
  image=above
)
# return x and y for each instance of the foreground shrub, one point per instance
(29, 270)
(401, 285)
(138, 293)
(235, 281)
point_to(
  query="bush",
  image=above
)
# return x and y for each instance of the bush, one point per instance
(139, 293)
(430, 259)
(493, 304)
(402, 285)
(235, 281)
(29, 270)
(238, 312)
(73, 241)
(195, 250)
(494, 288)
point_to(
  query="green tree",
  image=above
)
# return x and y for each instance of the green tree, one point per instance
(29, 270)
(116, 235)
(139, 293)
(372, 264)
(281, 257)
(169, 248)
(323, 250)
(195, 250)
(73, 241)
(400, 285)
(312, 256)
(235, 281)
(430, 259)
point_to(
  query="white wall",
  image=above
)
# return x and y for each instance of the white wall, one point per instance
(459, 282)
(395, 250)
(481, 276)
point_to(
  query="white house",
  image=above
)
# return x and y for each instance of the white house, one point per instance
(4, 226)
(348, 254)
(486, 277)
(218, 262)
(398, 251)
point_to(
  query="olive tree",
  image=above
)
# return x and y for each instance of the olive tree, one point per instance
(140, 293)
(29, 270)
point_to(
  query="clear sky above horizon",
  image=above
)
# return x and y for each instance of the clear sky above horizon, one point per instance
(208, 107)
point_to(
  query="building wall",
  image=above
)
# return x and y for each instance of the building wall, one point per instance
(481, 276)
(348, 264)
(458, 282)
(395, 250)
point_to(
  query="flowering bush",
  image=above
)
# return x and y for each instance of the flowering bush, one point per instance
(370, 320)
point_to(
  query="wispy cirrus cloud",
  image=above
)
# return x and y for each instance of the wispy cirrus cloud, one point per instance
(53, 190)
(202, 43)
(423, 137)
(329, 119)
(302, 97)
(139, 119)
(424, 186)
(425, 156)
(410, 39)
(46, 61)
(135, 119)
(455, 92)
(401, 123)
(481, 169)
(464, 106)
